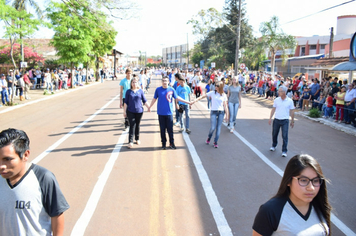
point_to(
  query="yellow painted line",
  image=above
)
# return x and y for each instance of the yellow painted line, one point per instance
(168, 208)
(155, 195)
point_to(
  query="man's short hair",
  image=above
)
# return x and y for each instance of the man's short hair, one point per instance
(17, 138)
(284, 88)
(128, 70)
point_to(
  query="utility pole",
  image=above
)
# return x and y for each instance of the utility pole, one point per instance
(187, 51)
(331, 43)
(238, 39)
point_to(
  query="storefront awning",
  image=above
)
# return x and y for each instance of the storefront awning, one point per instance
(345, 66)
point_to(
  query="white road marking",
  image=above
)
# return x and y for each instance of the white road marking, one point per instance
(84, 219)
(60, 141)
(216, 209)
(338, 223)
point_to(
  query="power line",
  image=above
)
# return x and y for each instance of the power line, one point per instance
(319, 11)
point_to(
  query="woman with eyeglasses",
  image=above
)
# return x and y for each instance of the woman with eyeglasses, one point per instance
(301, 205)
(133, 110)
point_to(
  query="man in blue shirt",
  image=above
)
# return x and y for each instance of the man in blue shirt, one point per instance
(183, 91)
(124, 86)
(315, 90)
(165, 95)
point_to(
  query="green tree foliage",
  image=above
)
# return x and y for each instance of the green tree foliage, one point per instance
(273, 39)
(17, 24)
(80, 36)
(73, 37)
(217, 33)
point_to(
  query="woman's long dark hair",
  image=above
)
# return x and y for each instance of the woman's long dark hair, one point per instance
(294, 167)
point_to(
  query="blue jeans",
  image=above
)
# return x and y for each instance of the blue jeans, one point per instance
(4, 96)
(49, 84)
(166, 123)
(187, 116)
(209, 102)
(348, 110)
(328, 112)
(284, 125)
(233, 109)
(216, 119)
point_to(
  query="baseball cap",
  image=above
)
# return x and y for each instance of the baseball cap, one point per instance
(2, 75)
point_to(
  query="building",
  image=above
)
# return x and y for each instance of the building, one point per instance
(310, 50)
(176, 56)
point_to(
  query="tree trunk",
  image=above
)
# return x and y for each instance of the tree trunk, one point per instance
(96, 69)
(86, 74)
(12, 42)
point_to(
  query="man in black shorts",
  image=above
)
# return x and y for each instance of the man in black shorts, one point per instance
(31, 202)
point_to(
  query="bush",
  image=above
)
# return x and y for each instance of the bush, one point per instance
(314, 113)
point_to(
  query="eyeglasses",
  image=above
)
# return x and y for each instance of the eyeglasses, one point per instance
(164, 81)
(304, 181)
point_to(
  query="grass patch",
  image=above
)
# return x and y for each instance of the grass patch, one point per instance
(314, 113)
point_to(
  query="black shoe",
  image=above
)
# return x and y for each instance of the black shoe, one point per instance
(172, 146)
(163, 147)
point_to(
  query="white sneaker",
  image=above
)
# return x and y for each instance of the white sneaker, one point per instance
(284, 154)
(130, 145)
(231, 130)
(272, 149)
(177, 124)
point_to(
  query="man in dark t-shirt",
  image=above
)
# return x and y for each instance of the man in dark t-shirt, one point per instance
(31, 202)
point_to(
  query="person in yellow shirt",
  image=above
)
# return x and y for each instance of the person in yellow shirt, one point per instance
(340, 102)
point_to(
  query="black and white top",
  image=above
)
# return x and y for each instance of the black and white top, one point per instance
(26, 208)
(279, 216)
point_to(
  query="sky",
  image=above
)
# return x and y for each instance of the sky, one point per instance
(163, 23)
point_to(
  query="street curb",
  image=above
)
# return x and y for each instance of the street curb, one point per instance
(330, 122)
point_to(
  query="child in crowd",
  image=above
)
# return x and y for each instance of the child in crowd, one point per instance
(328, 112)
(295, 98)
(306, 98)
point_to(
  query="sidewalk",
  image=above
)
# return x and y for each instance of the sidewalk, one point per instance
(349, 129)
(36, 95)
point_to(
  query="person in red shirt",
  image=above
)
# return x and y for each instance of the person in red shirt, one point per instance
(328, 111)
(296, 83)
(26, 79)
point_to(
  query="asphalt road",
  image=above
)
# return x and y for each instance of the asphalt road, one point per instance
(194, 190)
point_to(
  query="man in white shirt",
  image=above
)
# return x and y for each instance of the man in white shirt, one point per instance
(350, 98)
(283, 107)
(3, 89)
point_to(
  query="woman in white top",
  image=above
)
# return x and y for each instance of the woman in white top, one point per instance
(48, 80)
(196, 84)
(142, 80)
(218, 110)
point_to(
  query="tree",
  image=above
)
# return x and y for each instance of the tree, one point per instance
(273, 39)
(20, 5)
(204, 22)
(16, 23)
(73, 37)
(31, 57)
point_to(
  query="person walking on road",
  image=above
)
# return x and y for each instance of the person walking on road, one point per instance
(218, 110)
(283, 107)
(165, 95)
(234, 97)
(31, 202)
(124, 86)
(301, 205)
(133, 110)
(183, 91)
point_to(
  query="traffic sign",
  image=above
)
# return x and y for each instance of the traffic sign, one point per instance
(213, 64)
(242, 66)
